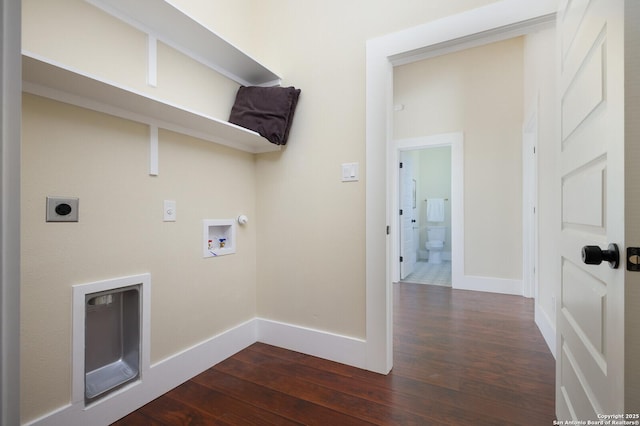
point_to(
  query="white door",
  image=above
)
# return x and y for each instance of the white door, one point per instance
(590, 312)
(408, 252)
(530, 207)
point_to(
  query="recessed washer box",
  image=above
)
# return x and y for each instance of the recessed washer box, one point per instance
(62, 209)
(219, 237)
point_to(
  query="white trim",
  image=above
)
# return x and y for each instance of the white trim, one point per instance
(547, 328)
(490, 285)
(334, 347)
(530, 202)
(499, 20)
(170, 372)
(153, 151)
(10, 119)
(160, 378)
(456, 142)
(152, 60)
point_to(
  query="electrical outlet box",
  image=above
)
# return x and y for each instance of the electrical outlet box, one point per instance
(62, 209)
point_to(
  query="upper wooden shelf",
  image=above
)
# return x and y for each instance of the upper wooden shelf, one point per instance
(53, 80)
(175, 28)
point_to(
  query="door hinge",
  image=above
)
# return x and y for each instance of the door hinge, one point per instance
(401, 259)
(401, 165)
(400, 212)
(534, 149)
(388, 229)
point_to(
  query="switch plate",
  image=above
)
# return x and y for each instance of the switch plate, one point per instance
(169, 209)
(62, 209)
(350, 172)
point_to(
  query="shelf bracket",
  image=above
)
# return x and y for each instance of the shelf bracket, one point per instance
(153, 150)
(152, 60)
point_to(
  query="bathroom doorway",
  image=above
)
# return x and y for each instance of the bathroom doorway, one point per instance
(429, 198)
(425, 215)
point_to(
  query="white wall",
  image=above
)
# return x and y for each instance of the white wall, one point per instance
(540, 93)
(477, 91)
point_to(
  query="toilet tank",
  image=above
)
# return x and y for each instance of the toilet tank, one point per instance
(435, 233)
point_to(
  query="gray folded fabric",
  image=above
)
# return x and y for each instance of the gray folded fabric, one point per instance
(266, 110)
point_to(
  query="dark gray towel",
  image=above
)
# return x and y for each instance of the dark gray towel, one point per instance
(266, 110)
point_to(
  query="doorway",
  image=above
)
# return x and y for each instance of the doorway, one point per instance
(425, 215)
(452, 144)
(494, 22)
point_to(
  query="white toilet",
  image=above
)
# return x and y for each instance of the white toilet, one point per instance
(435, 243)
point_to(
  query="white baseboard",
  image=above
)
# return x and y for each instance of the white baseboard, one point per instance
(334, 347)
(547, 328)
(171, 372)
(489, 284)
(160, 378)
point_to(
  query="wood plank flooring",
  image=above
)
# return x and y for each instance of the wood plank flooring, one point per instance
(460, 358)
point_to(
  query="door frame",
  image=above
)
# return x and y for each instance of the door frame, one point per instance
(529, 202)
(456, 142)
(495, 22)
(10, 123)
(404, 258)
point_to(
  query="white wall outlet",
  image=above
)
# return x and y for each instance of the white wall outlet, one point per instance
(169, 209)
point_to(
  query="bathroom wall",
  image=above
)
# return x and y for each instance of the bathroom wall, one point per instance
(478, 91)
(103, 160)
(434, 182)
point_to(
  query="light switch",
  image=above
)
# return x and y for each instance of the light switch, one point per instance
(169, 211)
(349, 172)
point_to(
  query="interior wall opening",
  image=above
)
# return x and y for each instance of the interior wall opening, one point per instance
(425, 215)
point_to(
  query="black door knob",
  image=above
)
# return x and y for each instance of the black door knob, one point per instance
(593, 255)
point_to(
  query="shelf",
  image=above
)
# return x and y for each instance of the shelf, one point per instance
(170, 25)
(55, 81)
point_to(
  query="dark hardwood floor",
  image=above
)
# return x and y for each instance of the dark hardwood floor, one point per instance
(460, 358)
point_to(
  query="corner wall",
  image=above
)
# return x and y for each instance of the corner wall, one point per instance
(311, 240)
